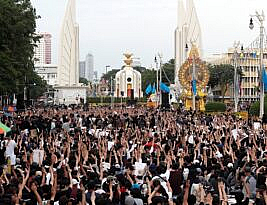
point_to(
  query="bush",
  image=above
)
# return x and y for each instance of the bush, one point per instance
(255, 107)
(215, 107)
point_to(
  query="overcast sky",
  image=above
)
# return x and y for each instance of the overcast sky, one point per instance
(108, 28)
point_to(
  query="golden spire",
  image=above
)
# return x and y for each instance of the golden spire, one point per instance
(194, 51)
(128, 61)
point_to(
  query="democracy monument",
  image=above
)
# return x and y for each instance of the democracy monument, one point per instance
(128, 81)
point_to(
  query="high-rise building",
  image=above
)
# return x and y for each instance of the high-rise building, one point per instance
(82, 69)
(89, 67)
(42, 51)
(68, 68)
(95, 75)
(188, 32)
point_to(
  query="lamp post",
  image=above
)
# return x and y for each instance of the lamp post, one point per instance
(236, 97)
(25, 90)
(261, 19)
(107, 66)
(111, 91)
(194, 78)
(160, 77)
(156, 62)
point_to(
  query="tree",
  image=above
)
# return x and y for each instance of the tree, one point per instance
(148, 76)
(169, 70)
(255, 107)
(17, 41)
(139, 68)
(83, 81)
(110, 74)
(223, 76)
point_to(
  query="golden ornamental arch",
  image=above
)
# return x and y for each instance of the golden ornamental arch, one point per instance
(201, 76)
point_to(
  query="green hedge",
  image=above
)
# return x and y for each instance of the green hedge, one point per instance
(255, 107)
(215, 107)
(108, 100)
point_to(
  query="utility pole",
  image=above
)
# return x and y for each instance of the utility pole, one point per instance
(157, 88)
(107, 66)
(261, 19)
(160, 78)
(193, 82)
(25, 93)
(235, 77)
(111, 91)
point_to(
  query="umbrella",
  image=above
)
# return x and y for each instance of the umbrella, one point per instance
(4, 128)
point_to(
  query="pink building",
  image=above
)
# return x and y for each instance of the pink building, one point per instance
(42, 53)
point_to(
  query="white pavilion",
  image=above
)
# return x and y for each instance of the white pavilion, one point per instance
(128, 81)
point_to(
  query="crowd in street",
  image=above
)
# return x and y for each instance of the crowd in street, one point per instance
(131, 156)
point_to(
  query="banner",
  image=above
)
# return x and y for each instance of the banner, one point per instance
(194, 87)
(264, 78)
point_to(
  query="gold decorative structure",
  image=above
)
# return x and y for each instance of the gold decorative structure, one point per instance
(202, 78)
(128, 61)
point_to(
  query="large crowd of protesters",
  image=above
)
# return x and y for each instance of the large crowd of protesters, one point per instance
(131, 156)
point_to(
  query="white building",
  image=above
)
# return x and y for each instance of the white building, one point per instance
(68, 67)
(42, 51)
(249, 63)
(47, 72)
(187, 32)
(89, 67)
(95, 76)
(128, 80)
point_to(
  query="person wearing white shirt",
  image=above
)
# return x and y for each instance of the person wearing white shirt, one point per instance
(10, 150)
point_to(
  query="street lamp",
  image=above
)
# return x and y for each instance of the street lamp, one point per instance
(156, 62)
(251, 25)
(160, 77)
(111, 91)
(107, 66)
(261, 19)
(194, 81)
(236, 98)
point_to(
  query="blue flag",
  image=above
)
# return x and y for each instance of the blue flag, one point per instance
(254, 54)
(264, 78)
(148, 89)
(164, 88)
(194, 87)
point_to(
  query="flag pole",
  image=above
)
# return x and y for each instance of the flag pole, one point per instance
(157, 89)
(160, 78)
